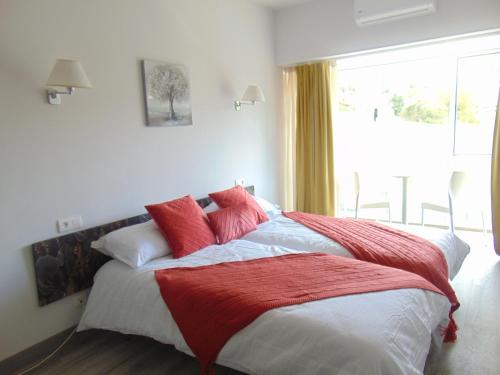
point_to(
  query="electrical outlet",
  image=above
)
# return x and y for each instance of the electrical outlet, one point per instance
(69, 223)
(239, 181)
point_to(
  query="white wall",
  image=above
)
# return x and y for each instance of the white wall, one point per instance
(92, 155)
(325, 28)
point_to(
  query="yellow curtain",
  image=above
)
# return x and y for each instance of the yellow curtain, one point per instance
(495, 181)
(315, 189)
(289, 122)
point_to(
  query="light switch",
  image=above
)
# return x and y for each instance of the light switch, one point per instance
(239, 181)
(69, 223)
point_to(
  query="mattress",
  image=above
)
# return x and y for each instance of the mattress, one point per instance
(382, 333)
(282, 231)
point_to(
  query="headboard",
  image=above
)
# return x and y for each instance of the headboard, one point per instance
(67, 264)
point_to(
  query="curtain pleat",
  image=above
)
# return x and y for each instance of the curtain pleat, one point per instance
(289, 121)
(495, 181)
(315, 189)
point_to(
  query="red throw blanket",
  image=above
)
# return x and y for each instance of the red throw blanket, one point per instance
(380, 244)
(211, 303)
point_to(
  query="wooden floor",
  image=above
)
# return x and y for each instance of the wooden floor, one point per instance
(477, 350)
(104, 352)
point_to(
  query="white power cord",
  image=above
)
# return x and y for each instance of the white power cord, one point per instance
(49, 356)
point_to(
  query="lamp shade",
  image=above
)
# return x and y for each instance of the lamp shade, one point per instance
(68, 73)
(253, 94)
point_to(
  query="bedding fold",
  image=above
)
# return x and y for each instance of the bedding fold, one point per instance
(211, 303)
(376, 243)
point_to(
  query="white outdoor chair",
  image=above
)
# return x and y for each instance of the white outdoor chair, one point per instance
(373, 195)
(460, 192)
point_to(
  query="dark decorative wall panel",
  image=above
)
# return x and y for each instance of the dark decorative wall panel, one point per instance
(67, 264)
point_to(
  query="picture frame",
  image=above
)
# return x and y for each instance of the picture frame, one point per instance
(167, 94)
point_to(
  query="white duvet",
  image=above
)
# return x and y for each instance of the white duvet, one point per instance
(282, 231)
(380, 333)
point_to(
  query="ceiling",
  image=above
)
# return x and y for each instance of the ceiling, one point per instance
(279, 4)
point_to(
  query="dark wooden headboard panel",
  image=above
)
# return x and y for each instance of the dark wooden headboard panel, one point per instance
(67, 264)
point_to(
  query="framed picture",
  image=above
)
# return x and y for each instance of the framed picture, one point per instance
(166, 94)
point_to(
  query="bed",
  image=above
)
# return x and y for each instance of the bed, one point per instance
(334, 335)
(331, 335)
(282, 231)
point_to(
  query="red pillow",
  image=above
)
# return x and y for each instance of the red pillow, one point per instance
(184, 225)
(233, 222)
(236, 196)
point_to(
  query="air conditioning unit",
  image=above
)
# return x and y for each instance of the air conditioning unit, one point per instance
(370, 12)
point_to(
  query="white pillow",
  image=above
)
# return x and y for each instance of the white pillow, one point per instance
(211, 208)
(134, 245)
(269, 208)
(266, 205)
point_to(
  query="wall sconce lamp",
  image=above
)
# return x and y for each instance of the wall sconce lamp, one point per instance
(252, 95)
(68, 74)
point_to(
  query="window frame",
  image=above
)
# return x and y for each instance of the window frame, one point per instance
(454, 97)
(453, 60)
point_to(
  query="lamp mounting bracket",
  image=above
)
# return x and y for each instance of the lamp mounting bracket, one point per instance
(54, 96)
(239, 103)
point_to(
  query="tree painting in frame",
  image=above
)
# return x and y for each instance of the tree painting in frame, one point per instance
(167, 94)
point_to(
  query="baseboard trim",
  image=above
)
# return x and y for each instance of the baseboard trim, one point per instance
(33, 354)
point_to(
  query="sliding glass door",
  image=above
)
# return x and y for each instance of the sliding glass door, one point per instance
(403, 127)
